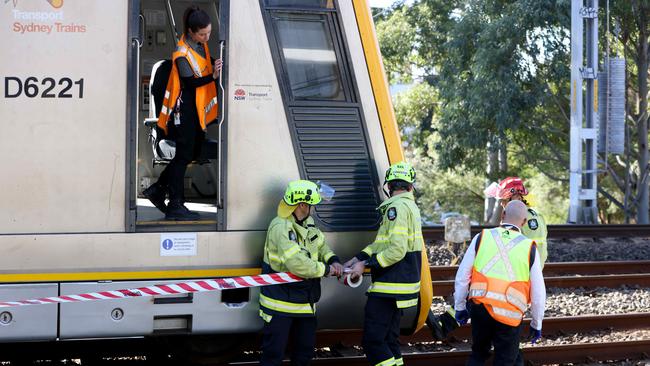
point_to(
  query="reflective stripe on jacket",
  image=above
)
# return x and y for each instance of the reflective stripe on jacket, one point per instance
(501, 274)
(206, 95)
(395, 256)
(535, 229)
(301, 250)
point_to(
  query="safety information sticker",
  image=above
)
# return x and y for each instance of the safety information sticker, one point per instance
(177, 244)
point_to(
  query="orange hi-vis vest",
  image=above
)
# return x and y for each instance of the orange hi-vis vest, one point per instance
(206, 95)
(501, 275)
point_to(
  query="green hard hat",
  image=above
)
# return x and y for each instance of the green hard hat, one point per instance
(302, 191)
(401, 171)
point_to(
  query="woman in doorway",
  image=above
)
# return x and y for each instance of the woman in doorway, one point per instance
(190, 104)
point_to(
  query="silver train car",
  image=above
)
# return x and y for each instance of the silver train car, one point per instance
(302, 95)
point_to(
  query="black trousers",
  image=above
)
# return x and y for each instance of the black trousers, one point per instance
(381, 329)
(487, 332)
(189, 139)
(275, 337)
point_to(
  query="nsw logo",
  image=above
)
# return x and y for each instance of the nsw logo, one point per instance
(240, 94)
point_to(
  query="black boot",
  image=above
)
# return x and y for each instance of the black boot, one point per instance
(441, 325)
(177, 211)
(448, 321)
(435, 326)
(156, 194)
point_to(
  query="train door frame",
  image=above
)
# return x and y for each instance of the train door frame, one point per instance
(349, 84)
(222, 164)
(135, 41)
(133, 121)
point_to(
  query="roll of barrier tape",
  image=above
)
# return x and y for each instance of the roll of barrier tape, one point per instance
(349, 281)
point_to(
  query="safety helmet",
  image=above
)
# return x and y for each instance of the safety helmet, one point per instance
(401, 171)
(296, 192)
(510, 186)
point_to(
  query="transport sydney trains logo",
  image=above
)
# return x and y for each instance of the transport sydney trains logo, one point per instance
(55, 3)
(50, 21)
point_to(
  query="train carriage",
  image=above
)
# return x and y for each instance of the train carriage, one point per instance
(302, 95)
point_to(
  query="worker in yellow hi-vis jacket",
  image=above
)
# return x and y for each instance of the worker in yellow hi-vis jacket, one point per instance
(294, 244)
(395, 260)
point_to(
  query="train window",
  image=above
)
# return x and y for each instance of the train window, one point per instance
(327, 4)
(325, 119)
(308, 55)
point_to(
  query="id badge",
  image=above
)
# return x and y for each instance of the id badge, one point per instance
(177, 119)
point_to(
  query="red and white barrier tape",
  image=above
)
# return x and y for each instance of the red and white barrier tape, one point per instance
(171, 289)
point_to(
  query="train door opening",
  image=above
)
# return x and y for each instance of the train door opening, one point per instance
(161, 25)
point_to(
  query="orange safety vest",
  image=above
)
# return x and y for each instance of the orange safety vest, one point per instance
(501, 275)
(206, 95)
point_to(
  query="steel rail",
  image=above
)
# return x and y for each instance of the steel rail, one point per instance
(560, 231)
(581, 352)
(446, 287)
(565, 268)
(553, 325)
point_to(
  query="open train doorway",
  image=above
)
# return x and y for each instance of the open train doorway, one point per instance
(161, 26)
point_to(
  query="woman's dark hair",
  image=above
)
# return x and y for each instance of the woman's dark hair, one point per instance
(195, 19)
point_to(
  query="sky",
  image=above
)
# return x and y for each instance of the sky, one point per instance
(381, 3)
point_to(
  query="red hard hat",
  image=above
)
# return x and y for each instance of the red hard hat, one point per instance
(510, 186)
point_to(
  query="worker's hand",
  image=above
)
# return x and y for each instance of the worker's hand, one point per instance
(336, 269)
(218, 64)
(356, 270)
(535, 335)
(350, 263)
(462, 316)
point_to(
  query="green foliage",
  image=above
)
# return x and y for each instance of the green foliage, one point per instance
(549, 197)
(415, 110)
(396, 38)
(497, 73)
(492, 73)
(439, 191)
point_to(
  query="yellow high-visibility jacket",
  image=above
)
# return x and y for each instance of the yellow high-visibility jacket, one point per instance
(298, 248)
(395, 256)
(535, 229)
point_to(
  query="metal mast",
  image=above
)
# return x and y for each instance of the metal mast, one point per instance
(584, 115)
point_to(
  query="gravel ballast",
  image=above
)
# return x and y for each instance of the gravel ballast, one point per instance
(580, 301)
(561, 250)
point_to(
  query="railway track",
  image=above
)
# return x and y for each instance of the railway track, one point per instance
(560, 231)
(566, 275)
(446, 287)
(565, 269)
(552, 326)
(539, 354)
(586, 352)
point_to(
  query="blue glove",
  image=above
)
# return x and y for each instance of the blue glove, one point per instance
(461, 317)
(535, 335)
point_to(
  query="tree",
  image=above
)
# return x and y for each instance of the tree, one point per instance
(500, 70)
(502, 73)
(396, 38)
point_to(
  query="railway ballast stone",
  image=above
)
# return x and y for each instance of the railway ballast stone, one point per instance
(581, 301)
(561, 250)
